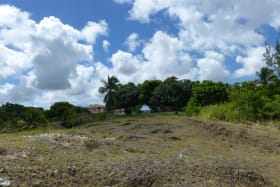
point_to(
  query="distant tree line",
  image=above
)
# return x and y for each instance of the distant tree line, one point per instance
(249, 100)
(256, 100)
(18, 117)
(168, 95)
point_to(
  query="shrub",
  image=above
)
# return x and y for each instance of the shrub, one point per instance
(221, 112)
(74, 120)
(271, 109)
(100, 116)
(192, 108)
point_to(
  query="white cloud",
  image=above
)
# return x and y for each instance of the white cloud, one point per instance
(162, 56)
(252, 62)
(262, 12)
(80, 79)
(143, 9)
(45, 58)
(231, 28)
(212, 67)
(132, 42)
(92, 30)
(4, 89)
(12, 62)
(56, 45)
(125, 63)
(166, 57)
(105, 45)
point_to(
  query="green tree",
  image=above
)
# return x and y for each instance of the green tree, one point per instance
(146, 90)
(128, 97)
(60, 111)
(69, 115)
(15, 116)
(272, 58)
(209, 92)
(246, 99)
(109, 89)
(172, 94)
(265, 75)
(271, 108)
(34, 115)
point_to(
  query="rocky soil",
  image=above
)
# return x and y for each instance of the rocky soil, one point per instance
(143, 151)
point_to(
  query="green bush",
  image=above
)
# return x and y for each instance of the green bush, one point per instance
(271, 109)
(221, 112)
(227, 112)
(100, 116)
(192, 108)
(75, 120)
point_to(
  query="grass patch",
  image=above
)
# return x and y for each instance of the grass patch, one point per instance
(92, 144)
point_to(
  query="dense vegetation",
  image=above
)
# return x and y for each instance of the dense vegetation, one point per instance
(246, 101)
(19, 117)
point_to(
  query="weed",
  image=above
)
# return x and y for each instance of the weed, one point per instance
(92, 144)
(3, 151)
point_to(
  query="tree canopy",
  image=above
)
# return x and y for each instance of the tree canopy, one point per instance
(109, 89)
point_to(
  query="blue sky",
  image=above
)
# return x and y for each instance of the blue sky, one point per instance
(60, 50)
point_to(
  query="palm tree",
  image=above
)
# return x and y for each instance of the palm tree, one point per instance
(265, 75)
(109, 89)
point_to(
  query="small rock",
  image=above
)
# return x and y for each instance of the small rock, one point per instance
(72, 170)
(4, 182)
(110, 139)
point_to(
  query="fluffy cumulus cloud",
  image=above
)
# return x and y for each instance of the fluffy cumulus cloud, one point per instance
(166, 57)
(132, 42)
(125, 63)
(212, 67)
(231, 28)
(44, 57)
(251, 63)
(106, 45)
(162, 56)
(92, 30)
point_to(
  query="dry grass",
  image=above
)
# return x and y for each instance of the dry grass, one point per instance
(144, 151)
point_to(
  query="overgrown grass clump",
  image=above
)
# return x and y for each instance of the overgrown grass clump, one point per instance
(92, 144)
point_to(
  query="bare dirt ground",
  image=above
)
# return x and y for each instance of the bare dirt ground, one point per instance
(143, 151)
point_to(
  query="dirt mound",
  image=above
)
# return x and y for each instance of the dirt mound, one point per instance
(241, 136)
(217, 130)
(151, 172)
(234, 173)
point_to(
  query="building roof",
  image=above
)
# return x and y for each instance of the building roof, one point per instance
(96, 106)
